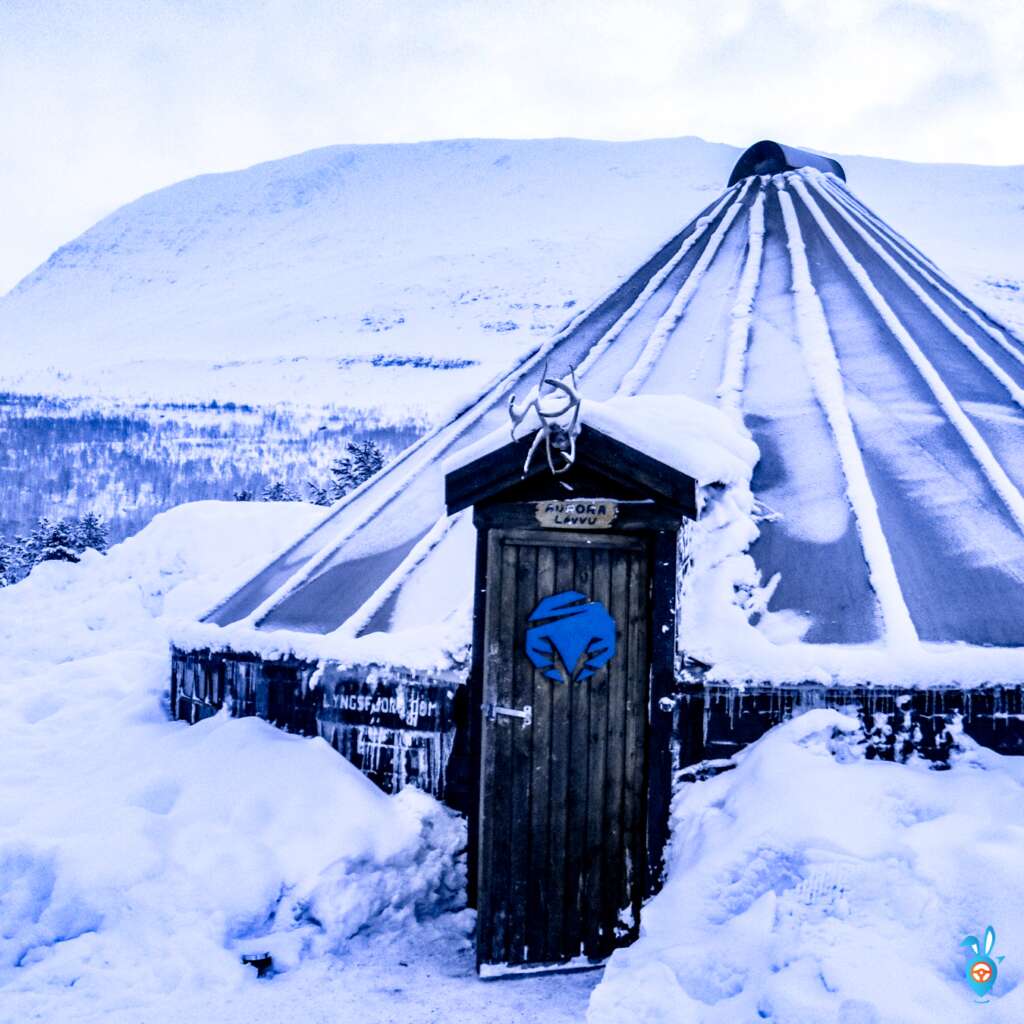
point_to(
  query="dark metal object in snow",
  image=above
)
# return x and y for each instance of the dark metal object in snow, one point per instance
(263, 962)
(767, 157)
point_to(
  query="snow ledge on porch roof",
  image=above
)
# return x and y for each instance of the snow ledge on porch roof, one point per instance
(690, 436)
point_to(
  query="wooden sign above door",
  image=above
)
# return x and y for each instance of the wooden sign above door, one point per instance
(577, 513)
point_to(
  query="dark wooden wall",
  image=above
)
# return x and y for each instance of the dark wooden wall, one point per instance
(357, 712)
(397, 727)
(714, 721)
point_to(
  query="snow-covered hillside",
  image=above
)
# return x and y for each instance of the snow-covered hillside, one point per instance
(401, 276)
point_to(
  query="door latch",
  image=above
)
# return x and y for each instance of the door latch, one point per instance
(526, 714)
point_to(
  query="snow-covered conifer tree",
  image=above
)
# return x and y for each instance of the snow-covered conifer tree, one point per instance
(279, 492)
(319, 494)
(57, 541)
(91, 533)
(364, 459)
(6, 571)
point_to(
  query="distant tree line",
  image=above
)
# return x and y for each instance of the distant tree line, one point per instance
(64, 540)
(126, 463)
(363, 460)
(51, 540)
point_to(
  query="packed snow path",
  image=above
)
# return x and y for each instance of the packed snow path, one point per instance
(425, 977)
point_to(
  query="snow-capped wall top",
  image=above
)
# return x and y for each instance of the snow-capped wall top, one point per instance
(880, 535)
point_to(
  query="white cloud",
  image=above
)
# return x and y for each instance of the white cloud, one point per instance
(102, 100)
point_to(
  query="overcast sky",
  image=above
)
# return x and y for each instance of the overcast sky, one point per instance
(104, 100)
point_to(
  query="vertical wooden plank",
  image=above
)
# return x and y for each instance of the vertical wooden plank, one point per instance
(662, 658)
(576, 830)
(539, 918)
(558, 783)
(474, 718)
(485, 824)
(635, 775)
(492, 883)
(520, 743)
(614, 873)
(501, 663)
(597, 897)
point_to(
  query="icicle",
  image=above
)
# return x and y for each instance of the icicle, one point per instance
(827, 379)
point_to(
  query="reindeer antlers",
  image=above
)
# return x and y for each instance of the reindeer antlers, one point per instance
(556, 437)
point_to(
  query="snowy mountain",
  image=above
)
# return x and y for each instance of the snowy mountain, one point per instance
(353, 274)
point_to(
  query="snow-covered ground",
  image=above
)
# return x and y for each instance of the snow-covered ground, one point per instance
(402, 277)
(139, 858)
(812, 886)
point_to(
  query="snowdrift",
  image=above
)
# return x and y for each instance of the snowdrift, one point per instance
(812, 886)
(140, 856)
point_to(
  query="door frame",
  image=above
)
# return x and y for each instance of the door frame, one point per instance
(659, 528)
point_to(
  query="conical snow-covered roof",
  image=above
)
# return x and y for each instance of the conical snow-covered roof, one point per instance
(889, 413)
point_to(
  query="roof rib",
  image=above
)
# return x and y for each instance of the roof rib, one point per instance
(731, 388)
(827, 380)
(700, 227)
(983, 455)
(634, 380)
(1013, 389)
(358, 621)
(1001, 337)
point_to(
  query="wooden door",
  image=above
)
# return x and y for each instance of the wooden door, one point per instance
(562, 840)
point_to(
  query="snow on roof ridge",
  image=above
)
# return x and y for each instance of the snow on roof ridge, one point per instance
(730, 390)
(1002, 336)
(641, 370)
(691, 436)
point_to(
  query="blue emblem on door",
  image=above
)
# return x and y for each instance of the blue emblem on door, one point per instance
(569, 638)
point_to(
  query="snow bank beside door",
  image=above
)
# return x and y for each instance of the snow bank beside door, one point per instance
(810, 886)
(141, 856)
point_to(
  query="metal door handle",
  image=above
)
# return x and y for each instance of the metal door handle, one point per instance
(494, 710)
